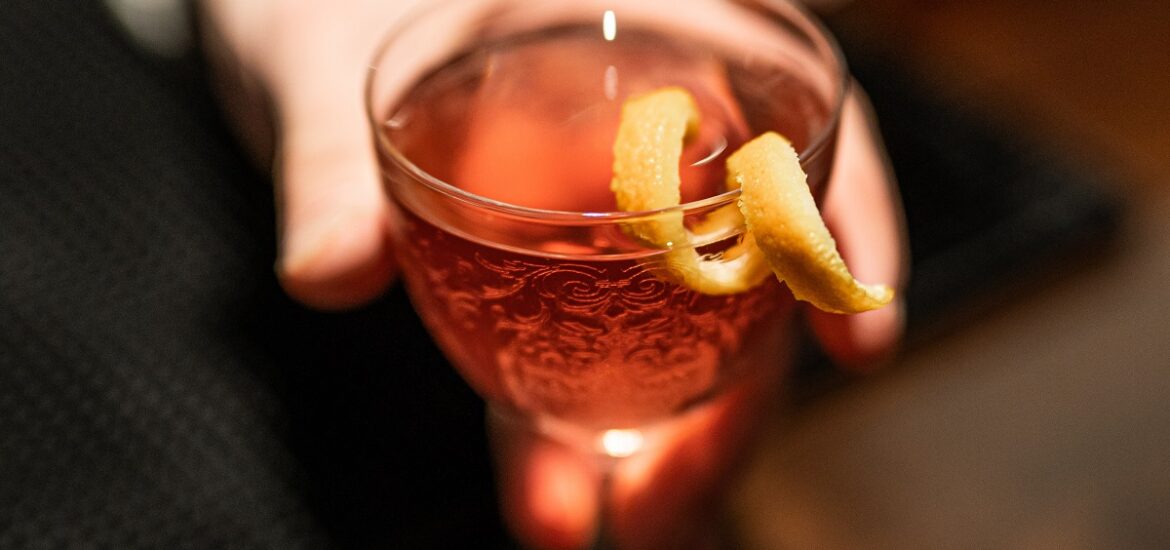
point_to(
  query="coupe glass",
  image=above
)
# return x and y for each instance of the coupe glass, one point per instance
(493, 121)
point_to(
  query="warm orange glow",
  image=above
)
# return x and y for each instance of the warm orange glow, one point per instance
(556, 505)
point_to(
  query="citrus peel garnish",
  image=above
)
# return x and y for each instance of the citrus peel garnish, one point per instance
(647, 151)
(785, 231)
(781, 214)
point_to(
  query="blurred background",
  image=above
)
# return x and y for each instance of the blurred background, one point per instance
(157, 390)
(1032, 412)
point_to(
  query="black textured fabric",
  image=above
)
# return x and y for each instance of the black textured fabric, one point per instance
(156, 388)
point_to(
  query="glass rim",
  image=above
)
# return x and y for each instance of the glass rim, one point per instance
(815, 146)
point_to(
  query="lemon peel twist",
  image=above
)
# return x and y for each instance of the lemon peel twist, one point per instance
(646, 177)
(785, 232)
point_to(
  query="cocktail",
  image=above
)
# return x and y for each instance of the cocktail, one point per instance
(495, 122)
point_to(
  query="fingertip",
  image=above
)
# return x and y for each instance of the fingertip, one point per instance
(862, 341)
(336, 262)
(548, 494)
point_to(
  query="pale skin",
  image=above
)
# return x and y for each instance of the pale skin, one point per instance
(292, 73)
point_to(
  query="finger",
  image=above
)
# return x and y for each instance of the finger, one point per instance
(548, 492)
(863, 211)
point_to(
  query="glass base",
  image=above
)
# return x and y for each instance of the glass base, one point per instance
(606, 456)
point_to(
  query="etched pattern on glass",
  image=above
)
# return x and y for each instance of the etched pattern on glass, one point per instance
(589, 339)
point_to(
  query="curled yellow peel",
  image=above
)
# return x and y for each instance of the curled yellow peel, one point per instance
(647, 152)
(785, 230)
(782, 216)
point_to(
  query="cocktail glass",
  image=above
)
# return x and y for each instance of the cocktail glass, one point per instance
(492, 120)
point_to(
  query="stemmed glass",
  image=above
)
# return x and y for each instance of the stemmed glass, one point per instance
(492, 120)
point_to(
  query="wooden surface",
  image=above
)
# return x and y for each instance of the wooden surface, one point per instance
(1046, 422)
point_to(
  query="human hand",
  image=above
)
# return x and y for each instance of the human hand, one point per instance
(304, 62)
